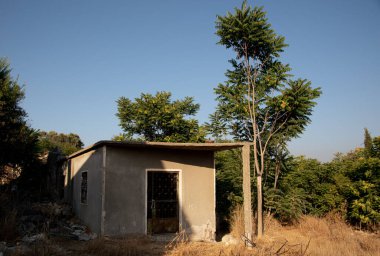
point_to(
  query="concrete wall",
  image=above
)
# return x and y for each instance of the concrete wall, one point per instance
(125, 189)
(89, 213)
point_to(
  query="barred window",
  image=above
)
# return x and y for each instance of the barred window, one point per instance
(83, 188)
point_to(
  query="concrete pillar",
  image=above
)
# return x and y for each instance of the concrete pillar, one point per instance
(247, 192)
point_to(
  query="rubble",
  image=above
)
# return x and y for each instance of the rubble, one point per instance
(39, 222)
(52, 219)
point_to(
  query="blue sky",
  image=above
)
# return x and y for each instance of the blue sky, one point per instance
(76, 58)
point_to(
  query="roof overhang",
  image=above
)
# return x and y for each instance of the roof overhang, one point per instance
(162, 145)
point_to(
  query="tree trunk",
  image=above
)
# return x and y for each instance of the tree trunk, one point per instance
(259, 207)
(277, 173)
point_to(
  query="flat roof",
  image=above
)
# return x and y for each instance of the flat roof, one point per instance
(208, 146)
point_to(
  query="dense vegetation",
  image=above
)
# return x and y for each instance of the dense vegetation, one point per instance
(348, 185)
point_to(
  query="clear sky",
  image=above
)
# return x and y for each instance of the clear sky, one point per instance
(76, 58)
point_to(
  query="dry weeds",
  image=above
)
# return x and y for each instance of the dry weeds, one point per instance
(237, 222)
(312, 236)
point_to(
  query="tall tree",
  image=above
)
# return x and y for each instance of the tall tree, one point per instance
(259, 101)
(17, 140)
(368, 145)
(158, 118)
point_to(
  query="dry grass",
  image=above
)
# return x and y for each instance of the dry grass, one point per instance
(126, 246)
(328, 236)
(312, 236)
(237, 222)
(208, 249)
(331, 236)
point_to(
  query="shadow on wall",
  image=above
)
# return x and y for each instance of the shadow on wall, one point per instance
(119, 191)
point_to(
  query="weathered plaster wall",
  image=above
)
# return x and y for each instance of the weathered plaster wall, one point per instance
(125, 189)
(89, 213)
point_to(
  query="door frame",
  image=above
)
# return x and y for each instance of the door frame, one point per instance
(179, 171)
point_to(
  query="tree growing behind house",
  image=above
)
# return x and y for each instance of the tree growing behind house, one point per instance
(66, 143)
(159, 118)
(259, 102)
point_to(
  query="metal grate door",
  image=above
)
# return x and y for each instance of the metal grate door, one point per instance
(163, 207)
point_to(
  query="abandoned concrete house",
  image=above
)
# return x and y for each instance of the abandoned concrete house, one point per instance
(119, 188)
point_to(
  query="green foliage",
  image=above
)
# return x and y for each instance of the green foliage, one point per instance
(216, 128)
(376, 147)
(229, 181)
(364, 195)
(349, 184)
(276, 163)
(316, 182)
(258, 102)
(157, 118)
(256, 71)
(287, 207)
(357, 180)
(287, 113)
(66, 143)
(248, 32)
(17, 140)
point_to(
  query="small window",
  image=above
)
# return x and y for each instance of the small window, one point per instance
(83, 188)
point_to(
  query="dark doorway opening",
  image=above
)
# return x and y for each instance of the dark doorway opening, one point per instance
(162, 202)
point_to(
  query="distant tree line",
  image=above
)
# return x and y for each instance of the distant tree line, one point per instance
(65, 143)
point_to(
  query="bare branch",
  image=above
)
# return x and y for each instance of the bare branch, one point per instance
(274, 132)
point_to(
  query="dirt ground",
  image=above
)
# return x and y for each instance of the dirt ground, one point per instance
(312, 236)
(328, 236)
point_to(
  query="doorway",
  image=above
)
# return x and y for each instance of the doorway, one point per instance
(162, 201)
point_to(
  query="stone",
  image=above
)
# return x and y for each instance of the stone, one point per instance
(84, 237)
(31, 239)
(77, 232)
(229, 240)
(3, 247)
(78, 227)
